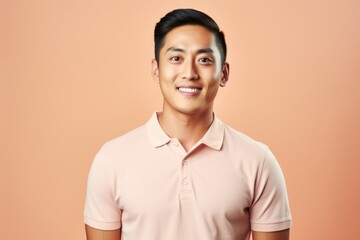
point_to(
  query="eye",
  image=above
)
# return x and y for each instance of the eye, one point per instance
(175, 59)
(205, 60)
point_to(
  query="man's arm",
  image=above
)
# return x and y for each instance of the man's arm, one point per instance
(97, 234)
(280, 235)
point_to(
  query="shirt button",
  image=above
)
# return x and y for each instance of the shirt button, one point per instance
(174, 143)
(185, 181)
(184, 162)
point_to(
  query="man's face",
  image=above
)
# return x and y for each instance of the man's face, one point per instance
(189, 70)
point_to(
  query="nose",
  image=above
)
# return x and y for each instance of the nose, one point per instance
(189, 71)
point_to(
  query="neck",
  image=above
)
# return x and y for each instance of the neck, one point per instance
(187, 128)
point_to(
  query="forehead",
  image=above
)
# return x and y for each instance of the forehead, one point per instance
(190, 37)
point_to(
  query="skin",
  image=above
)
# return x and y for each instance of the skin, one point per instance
(188, 59)
(97, 234)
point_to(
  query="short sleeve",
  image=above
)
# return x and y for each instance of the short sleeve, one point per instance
(101, 210)
(270, 209)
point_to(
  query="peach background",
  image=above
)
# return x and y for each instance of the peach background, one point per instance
(76, 73)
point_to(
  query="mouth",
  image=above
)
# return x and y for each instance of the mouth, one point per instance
(189, 90)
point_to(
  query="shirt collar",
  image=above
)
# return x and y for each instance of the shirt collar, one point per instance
(155, 133)
(213, 138)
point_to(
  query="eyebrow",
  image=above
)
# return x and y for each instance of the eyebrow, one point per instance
(201, 50)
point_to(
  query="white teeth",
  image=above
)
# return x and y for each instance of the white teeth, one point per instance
(189, 90)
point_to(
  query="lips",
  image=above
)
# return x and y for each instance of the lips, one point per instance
(189, 89)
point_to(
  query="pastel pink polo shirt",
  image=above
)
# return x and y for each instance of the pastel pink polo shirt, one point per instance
(147, 184)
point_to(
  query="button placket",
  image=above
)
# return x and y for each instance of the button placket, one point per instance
(185, 181)
(185, 174)
(186, 186)
(174, 143)
(175, 146)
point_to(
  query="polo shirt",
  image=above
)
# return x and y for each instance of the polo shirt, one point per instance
(226, 185)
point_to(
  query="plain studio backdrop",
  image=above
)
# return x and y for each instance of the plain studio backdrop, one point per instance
(76, 73)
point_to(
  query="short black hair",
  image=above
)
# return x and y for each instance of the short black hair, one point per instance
(180, 17)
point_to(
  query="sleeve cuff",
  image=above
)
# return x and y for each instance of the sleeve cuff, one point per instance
(102, 225)
(271, 227)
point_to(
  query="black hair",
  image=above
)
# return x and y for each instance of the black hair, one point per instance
(180, 17)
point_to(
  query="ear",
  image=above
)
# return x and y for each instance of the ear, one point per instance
(225, 74)
(155, 70)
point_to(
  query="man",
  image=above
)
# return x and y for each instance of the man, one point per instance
(185, 175)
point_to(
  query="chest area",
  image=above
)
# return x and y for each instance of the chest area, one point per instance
(208, 185)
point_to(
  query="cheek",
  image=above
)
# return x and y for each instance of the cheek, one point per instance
(213, 88)
(168, 73)
(213, 72)
(212, 77)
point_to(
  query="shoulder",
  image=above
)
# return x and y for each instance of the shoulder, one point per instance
(246, 145)
(129, 140)
(126, 140)
(253, 155)
(122, 147)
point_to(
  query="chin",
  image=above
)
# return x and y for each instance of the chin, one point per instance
(190, 111)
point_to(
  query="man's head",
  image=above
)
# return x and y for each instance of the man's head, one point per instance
(190, 61)
(181, 17)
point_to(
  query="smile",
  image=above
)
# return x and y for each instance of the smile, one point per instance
(189, 90)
